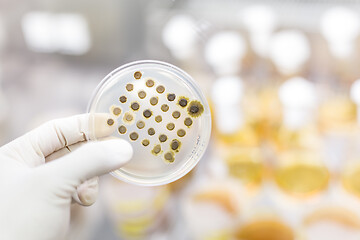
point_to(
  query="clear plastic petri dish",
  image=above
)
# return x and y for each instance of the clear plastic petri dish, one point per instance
(162, 112)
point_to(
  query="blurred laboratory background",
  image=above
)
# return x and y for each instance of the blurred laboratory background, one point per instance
(283, 81)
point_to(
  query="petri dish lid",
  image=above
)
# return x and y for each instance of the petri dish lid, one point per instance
(162, 112)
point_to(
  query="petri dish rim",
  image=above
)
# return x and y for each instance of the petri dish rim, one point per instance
(190, 163)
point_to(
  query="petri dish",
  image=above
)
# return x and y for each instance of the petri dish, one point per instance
(162, 112)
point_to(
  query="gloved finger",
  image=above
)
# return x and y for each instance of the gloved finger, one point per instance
(58, 154)
(92, 159)
(57, 134)
(86, 193)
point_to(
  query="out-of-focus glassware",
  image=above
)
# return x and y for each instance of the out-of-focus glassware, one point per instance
(299, 102)
(136, 212)
(265, 229)
(301, 173)
(355, 97)
(246, 164)
(211, 209)
(337, 114)
(350, 174)
(289, 51)
(260, 21)
(180, 37)
(265, 219)
(340, 27)
(300, 169)
(337, 124)
(263, 111)
(229, 120)
(224, 52)
(238, 143)
(351, 170)
(331, 223)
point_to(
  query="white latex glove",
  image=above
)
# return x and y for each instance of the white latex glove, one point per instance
(36, 193)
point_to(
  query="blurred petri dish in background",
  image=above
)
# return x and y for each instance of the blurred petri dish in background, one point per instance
(267, 229)
(301, 173)
(332, 222)
(350, 177)
(161, 155)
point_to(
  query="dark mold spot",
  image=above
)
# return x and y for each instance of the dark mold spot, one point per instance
(122, 99)
(183, 102)
(171, 97)
(135, 106)
(140, 124)
(181, 132)
(134, 136)
(150, 83)
(145, 142)
(169, 157)
(117, 111)
(110, 121)
(176, 114)
(142, 94)
(158, 119)
(137, 75)
(160, 89)
(162, 138)
(164, 107)
(129, 87)
(170, 126)
(188, 122)
(175, 145)
(147, 113)
(128, 117)
(154, 101)
(195, 108)
(122, 129)
(157, 149)
(151, 131)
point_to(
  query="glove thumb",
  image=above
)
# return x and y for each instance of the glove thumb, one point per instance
(90, 160)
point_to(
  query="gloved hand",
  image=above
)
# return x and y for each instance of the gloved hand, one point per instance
(38, 180)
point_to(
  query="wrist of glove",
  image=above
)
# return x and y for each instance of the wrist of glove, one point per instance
(42, 172)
